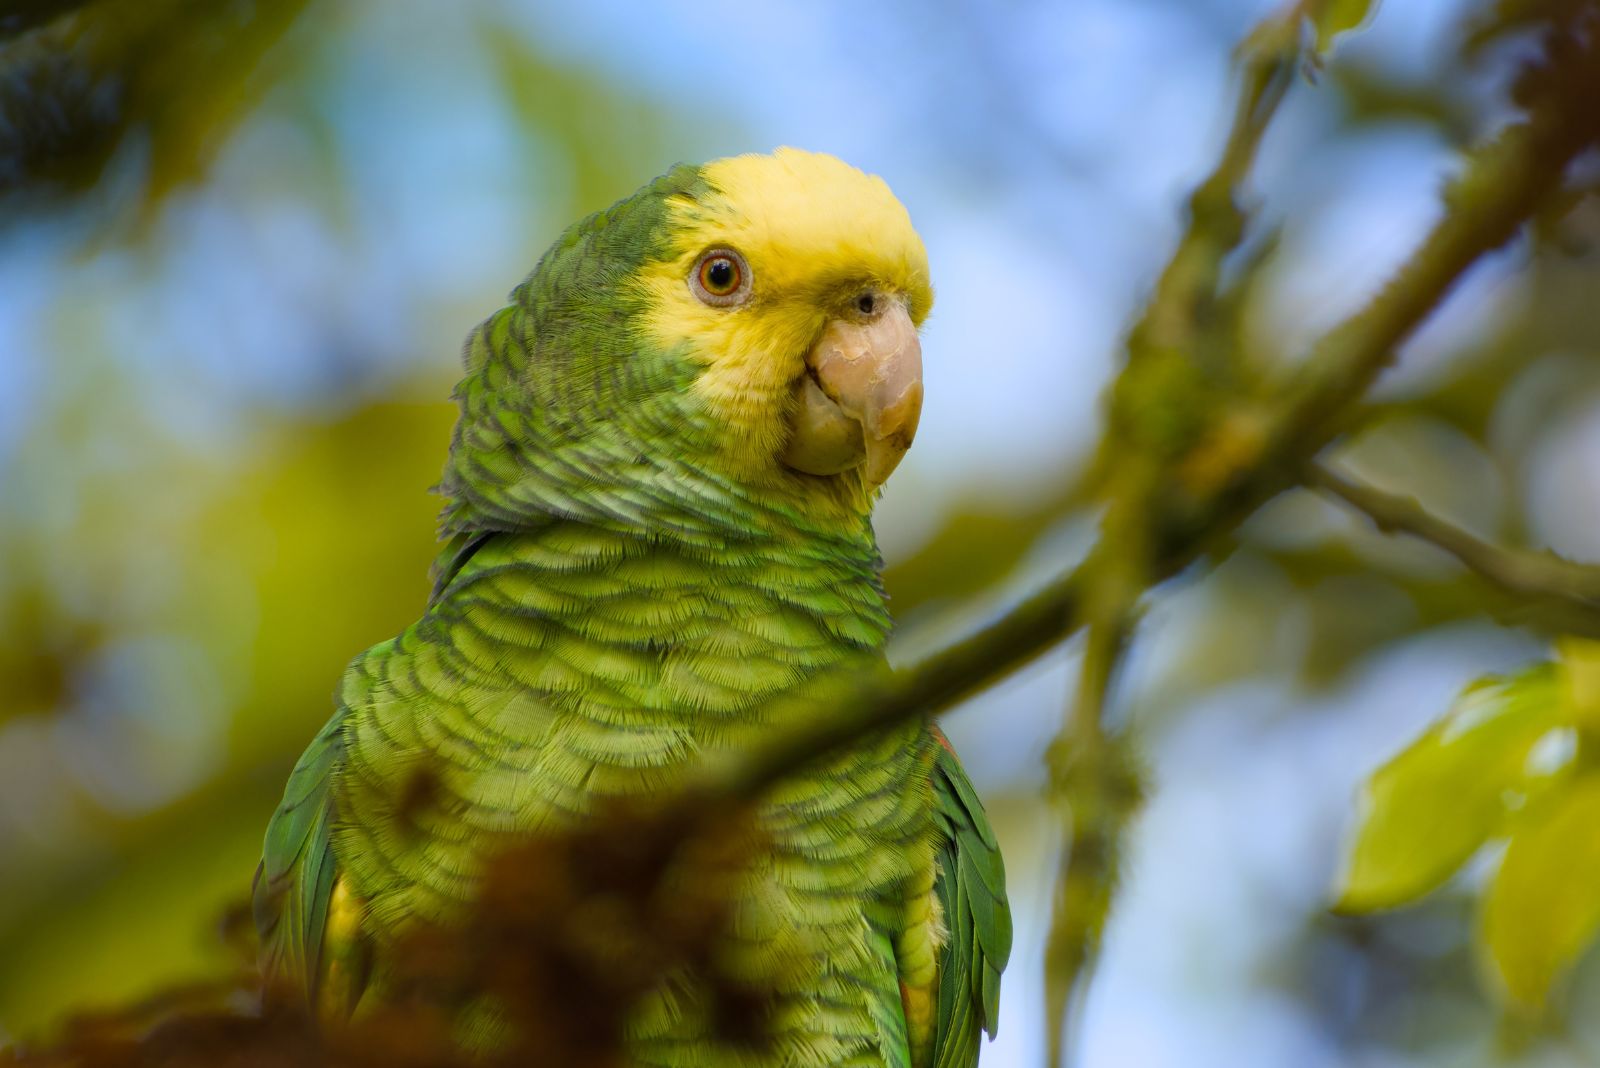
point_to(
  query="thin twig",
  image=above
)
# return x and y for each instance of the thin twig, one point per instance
(1179, 309)
(1095, 792)
(1538, 583)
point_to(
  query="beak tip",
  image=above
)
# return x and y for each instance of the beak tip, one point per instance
(870, 375)
(883, 456)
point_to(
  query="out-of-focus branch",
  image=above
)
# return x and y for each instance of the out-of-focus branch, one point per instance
(1541, 584)
(946, 568)
(1179, 312)
(1092, 785)
(1255, 449)
(1178, 348)
(1199, 452)
(1504, 184)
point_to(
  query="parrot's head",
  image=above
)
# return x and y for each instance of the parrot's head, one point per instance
(797, 285)
(735, 340)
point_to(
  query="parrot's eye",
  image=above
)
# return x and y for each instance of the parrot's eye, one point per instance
(720, 277)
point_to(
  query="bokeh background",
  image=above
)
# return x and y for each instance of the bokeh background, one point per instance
(242, 242)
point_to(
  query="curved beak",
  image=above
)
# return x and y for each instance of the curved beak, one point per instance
(862, 398)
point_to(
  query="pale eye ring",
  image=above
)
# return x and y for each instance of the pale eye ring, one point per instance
(720, 277)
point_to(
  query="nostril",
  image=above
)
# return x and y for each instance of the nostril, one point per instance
(866, 302)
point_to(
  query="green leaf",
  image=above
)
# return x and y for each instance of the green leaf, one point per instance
(1580, 658)
(1425, 812)
(1543, 907)
(1333, 17)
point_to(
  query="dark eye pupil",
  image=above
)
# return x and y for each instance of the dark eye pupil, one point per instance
(720, 275)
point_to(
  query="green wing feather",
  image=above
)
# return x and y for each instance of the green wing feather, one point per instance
(883, 1002)
(295, 879)
(971, 886)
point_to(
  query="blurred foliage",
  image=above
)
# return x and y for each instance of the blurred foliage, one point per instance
(267, 553)
(81, 79)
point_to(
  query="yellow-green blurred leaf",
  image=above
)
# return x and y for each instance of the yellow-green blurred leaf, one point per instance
(1543, 907)
(1430, 808)
(1580, 659)
(1333, 17)
(341, 518)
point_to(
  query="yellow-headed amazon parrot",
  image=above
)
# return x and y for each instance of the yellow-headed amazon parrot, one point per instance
(658, 509)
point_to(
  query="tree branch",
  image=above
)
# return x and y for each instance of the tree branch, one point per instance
(1504, 184)
(1541, 584)
(1093, 785)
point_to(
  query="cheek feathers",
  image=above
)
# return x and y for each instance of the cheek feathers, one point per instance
(751, 355)
(807, 224)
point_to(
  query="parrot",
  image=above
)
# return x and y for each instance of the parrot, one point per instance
(657, 519)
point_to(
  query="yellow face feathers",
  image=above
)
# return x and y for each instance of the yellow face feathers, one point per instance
(810, 224)
(815, 236)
